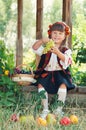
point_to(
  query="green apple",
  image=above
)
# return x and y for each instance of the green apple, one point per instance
(28, 118)
(51, 119)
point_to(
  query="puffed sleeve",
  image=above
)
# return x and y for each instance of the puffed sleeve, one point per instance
(68, 59)
(39, 51)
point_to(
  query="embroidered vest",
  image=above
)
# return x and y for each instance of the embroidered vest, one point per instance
(44, 61)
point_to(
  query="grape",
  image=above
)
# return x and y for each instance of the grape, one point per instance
(48, 46)
(22, 71)
(16, 70)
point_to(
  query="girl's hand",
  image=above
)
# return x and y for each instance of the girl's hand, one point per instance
(39, 42)
(54, 50)
(45, 40)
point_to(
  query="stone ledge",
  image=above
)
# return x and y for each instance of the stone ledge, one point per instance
(77, 90)
(76, 95)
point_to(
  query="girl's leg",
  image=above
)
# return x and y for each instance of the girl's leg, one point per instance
(44, 102)
(62, 92)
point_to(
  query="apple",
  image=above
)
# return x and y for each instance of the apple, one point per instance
(51, 118)
(14, 117)
(28, 118)
(65, 121)
(74, 119)
(41, 121)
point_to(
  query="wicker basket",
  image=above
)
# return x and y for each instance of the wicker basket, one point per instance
(24, 79)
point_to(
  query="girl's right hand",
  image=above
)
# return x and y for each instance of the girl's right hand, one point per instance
(38, 43)
(45, 40)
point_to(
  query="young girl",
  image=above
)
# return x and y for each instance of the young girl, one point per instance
(52, 73)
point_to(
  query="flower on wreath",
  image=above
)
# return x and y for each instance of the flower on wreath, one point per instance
(67, 28)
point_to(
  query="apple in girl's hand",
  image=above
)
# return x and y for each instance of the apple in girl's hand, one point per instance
(65, 121)
(14, 117)
(51, 118)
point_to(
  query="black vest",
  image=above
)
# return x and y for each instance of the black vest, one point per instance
(44, 61)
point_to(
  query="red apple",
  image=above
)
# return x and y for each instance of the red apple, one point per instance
(14, 117)
(65, 121)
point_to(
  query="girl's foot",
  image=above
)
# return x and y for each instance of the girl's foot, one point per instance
(58, 112)
(44, 113)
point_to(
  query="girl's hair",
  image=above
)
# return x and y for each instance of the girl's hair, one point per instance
(60, 26)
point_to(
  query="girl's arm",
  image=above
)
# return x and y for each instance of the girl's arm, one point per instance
(58, 53)
(38, 43)
(65, 59)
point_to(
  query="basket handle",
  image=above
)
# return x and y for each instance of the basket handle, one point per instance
(25, 65)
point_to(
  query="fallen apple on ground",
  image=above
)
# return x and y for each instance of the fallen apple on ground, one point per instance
(74, 119)
(14, 117)
(41, 121)
(65, 121)
(28, 118)
(50, 118)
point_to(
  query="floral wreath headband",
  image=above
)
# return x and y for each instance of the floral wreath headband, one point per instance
(67, 28)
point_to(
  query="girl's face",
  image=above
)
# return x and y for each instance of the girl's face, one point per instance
(57, 36)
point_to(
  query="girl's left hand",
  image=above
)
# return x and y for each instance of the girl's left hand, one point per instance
(54, 50)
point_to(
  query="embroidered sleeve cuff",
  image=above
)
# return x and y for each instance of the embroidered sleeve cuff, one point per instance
(68, 59)
(39, 51)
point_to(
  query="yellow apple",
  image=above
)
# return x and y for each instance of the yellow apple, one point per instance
(41, 121)
(74, 119)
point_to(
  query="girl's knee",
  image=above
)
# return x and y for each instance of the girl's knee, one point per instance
(63, 86)
(40, 86)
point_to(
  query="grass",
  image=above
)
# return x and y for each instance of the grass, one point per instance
(30, 107)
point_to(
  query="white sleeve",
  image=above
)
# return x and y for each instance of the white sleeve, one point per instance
(68, 59)
(39, 51)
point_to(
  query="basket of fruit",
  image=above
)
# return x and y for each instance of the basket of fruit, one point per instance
(23, 76)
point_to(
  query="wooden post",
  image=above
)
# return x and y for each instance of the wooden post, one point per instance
(39, 19)
(19, 44)
(67, 16)
(39, 24)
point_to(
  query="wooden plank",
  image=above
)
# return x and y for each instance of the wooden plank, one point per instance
(19, 44)
(67, 16)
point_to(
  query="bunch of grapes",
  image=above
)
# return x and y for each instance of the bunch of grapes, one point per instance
(48, 46)
(22, 71)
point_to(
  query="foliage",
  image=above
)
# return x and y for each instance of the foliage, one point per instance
(79, 50)
(79, 77)
(6, 11)
(9, 91)
(6, 58)
(81, 56)
(28, 19)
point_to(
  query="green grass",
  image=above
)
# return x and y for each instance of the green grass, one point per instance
(7, 124)
(29, 106)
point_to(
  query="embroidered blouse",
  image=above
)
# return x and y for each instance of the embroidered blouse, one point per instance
(53, 63)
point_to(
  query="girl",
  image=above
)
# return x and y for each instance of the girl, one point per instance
(52, 73)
